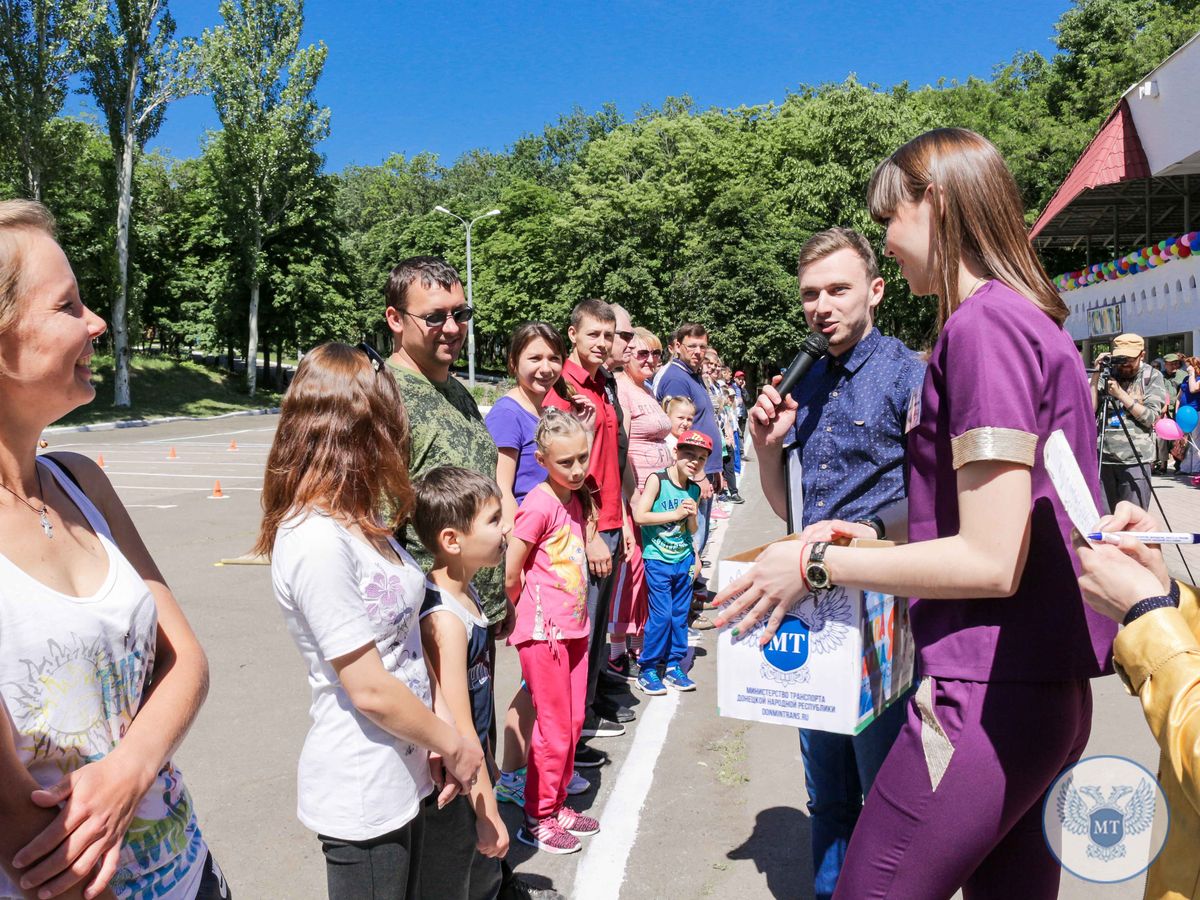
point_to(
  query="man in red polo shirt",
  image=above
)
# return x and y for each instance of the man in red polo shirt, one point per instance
(593, 326)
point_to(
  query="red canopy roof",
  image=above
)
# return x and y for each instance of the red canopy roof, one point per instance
(1115, 154)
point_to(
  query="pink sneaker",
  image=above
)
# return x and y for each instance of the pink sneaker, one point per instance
(549, 835)
(719, 513)
(577, 823)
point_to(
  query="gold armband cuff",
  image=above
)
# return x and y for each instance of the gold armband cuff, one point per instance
(1005, 444)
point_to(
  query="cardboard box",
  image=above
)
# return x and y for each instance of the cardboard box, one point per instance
(838, 660)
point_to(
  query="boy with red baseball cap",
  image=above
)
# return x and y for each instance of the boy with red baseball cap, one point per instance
(666, 511)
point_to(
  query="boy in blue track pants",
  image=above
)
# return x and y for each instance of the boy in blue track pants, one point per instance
(667, 513)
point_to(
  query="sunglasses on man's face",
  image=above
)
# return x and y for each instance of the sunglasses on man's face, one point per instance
(377, 361)
(462, 316)
(643, 355)
(626, 336)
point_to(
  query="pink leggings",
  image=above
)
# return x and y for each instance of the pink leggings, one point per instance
(557, 680)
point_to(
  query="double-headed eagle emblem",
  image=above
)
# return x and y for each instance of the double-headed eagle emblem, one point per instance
(828, 617)
(1106, 820)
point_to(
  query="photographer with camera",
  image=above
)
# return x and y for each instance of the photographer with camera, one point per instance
(1131, 396)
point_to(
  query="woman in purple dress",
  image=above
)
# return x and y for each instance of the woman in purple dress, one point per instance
(1006, 645)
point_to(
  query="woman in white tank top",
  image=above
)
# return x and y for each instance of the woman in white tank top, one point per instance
(87, 625)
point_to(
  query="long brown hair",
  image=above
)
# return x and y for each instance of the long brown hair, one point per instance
(977, 210)
(528, 333)
(342, 445)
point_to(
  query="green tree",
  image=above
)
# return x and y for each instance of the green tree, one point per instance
(262, 84)
(135, 67)
(38, 54)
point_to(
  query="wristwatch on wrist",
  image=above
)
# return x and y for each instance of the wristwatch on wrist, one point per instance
(1142, 607)
(816, 572)
(875, 523)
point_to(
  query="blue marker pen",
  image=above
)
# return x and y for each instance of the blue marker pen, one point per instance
(1146, 537)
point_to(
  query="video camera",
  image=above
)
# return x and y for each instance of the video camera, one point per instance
(1105, 363)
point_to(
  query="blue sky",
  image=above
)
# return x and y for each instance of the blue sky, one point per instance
(448, 77)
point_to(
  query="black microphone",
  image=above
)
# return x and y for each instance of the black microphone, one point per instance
(815, 346)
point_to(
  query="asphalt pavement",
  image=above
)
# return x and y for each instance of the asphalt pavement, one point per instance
(692, 805)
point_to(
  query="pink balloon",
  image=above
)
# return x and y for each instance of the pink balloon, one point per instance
(1168, 430)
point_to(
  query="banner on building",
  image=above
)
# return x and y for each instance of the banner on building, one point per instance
(1104, 320)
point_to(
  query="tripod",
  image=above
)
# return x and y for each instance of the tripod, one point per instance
(1107, 407)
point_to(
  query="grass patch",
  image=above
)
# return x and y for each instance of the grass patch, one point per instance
(731, 753)
(166, 387)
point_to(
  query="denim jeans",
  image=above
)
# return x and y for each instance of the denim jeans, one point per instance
(838, 772)
(703, 521)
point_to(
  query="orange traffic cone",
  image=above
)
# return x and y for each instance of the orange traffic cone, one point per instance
(100, 460)
(232, 447)
(217, 493)
(171, 454)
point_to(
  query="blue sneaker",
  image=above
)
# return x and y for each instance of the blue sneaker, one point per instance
(675, 677)
(511, 788)
(649, 683)
(578, 784)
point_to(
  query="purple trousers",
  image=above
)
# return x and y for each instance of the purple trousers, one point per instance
(981, 828)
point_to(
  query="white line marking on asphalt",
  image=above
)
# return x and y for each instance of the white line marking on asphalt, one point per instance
(171, 489)
(196, 437)
(183, 475)
(601, 872)
(602, 869)
(181, 463)
(216, 448)
(151, 505)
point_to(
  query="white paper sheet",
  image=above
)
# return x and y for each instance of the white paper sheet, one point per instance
(1068, 480)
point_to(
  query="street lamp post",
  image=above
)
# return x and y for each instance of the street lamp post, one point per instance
(470, 302)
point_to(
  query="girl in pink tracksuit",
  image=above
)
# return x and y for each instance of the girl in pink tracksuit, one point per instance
(546, 577)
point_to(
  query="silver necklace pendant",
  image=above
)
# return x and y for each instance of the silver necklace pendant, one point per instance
(47, 528)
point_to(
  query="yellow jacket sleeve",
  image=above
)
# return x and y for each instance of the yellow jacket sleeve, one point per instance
(1158, 657)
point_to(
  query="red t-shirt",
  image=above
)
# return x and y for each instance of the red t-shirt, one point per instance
(604, 474)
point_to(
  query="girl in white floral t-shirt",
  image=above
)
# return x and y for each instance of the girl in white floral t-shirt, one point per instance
(350, 596)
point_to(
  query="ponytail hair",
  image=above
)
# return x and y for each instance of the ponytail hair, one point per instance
(557, 423)
(977, 211)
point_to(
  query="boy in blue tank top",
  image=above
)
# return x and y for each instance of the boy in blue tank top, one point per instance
(666, 511)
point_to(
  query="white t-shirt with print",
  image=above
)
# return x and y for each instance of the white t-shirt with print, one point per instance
(73, 674)
(355, 780)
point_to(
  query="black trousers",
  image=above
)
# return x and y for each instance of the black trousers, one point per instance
(451, 867)
(599, 607)
(1125, 483)
(728, 474)
(212, 884)
(382, 868)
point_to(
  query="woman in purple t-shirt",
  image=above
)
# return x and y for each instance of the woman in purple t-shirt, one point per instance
(1006, 645)
(535, 359)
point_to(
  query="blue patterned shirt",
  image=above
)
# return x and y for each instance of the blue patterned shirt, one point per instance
(849, 431)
